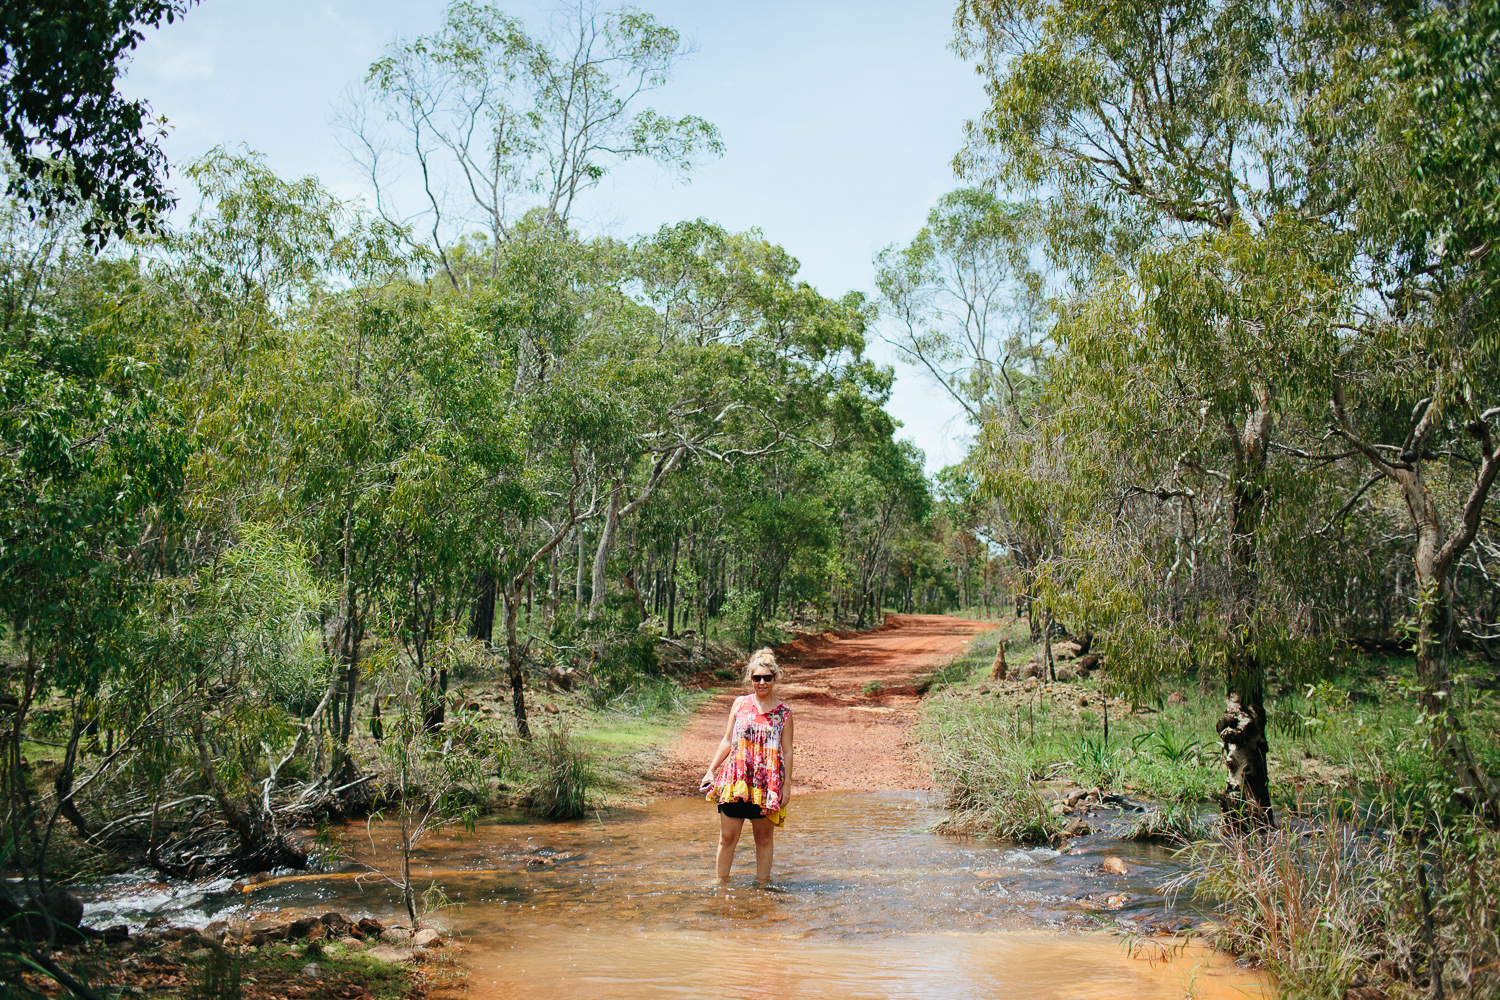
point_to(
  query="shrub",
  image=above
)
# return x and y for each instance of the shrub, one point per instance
(1326, 905)
(560, 774)
(986, 782)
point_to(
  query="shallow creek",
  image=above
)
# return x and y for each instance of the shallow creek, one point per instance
(864, 903)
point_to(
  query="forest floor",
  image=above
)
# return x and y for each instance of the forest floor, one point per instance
(853, 695)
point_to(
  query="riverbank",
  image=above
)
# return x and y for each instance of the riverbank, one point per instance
(322, 955)
(1376, 879)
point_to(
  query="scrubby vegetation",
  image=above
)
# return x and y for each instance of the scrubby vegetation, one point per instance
(1372, 880)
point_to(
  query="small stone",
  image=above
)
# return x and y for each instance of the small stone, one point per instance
(1115, 866)
(395, 935)
(369, 925)
(390, 953)
(349, 942)
(1083, 701)
(310, 971)
(427, 937)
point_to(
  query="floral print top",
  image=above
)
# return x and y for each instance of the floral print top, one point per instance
(752, 771)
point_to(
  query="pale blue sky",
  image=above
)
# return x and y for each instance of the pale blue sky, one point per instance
(839, 121)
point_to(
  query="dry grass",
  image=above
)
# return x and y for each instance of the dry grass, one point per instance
(1331, 904)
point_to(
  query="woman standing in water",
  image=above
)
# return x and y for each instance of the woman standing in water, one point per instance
(755, 782)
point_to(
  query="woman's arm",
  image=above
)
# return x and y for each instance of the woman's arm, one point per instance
(786, 759)
(725, 745)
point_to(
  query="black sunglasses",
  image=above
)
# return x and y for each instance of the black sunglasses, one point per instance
(762, 678)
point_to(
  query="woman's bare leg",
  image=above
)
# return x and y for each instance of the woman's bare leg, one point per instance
(729, 838)
(764, 830)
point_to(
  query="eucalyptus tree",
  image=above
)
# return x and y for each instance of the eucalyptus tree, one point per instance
(734, 360)
(495, 121)
(1429, 164)
(878, 492)
(73, 139)
(967, 300)
(1195, 199)
(91, 473)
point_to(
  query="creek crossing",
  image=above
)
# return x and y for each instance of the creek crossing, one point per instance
(865, 902)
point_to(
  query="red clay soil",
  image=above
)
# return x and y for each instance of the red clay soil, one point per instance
(845, 738)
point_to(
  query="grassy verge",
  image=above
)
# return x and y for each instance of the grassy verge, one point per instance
(1323, 739)
(1374, 885)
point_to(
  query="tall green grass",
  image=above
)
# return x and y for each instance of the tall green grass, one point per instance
(987, 782)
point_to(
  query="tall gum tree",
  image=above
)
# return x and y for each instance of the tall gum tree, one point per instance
(1156, 130)
(495, 121)
(1427, 161)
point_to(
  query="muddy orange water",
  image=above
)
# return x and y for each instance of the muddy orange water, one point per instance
(865, 901)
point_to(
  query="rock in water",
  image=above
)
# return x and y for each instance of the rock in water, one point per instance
(1115, 866)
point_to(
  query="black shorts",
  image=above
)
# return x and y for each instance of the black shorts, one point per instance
(741, 810)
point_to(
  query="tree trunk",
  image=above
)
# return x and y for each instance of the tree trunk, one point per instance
(1433, 560)
(672, 593)
(482, 621)
(515, 657)
(601, 554)
(1246, 798)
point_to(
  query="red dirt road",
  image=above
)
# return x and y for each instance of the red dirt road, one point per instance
(844, 737)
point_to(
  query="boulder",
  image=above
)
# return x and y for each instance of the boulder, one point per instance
(390, 953)
(427, 937)
(395, 935)
(1067, 673)
(1031, 668)
(54, 912)
(310, 928)
(370, 926)
(1088, 662)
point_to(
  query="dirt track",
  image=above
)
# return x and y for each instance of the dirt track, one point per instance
(845, 738)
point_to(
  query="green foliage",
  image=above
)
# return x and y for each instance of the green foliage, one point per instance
(1171, 823)
(71, 135)
(987, 782)
(560, 776)
(740, 617)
